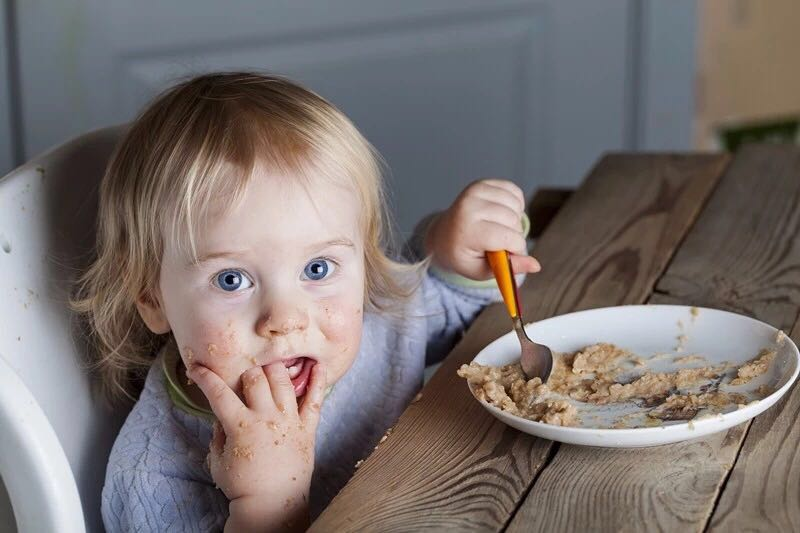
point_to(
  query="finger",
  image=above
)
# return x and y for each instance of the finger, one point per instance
(498, 195)
(524, 263)
(223, 401)
(496, 212)
(281, 387)
(312, 403)
(496, 236)
(511, 188)
(255, 389)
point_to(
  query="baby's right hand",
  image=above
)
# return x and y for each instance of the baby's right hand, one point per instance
(262, 454)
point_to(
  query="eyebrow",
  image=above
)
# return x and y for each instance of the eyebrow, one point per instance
(342, 241)
(217, 255)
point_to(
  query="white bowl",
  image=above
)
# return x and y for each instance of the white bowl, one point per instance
(648, 330)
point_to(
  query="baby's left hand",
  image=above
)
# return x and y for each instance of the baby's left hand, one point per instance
(486, 216)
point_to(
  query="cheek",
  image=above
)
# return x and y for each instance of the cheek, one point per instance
(341, 323)
(341, 317)
(202, 337)
(214, 346)
(341, 326)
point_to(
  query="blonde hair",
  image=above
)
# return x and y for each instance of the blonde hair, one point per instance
(193, 145)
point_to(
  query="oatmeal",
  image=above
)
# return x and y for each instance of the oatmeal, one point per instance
(598, 358)
(682, 338)
(686, 406)
(607, 375)
(754, 368)
(507, 388)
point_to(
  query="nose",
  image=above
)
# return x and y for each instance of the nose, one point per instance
(280, 317)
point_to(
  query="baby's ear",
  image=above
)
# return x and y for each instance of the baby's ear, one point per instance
(152, 312)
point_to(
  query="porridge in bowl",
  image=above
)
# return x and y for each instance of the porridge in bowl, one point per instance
(641, 391)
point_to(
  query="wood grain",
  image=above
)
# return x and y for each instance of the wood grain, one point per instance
(732, 259)
(448, 463)
(745, 253)
(644, 489)
(763, 490)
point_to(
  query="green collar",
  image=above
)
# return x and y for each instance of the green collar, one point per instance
(179, 397)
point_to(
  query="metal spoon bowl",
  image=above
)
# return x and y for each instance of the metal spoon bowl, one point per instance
(536, 359)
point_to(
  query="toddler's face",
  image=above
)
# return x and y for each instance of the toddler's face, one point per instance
(281, 278)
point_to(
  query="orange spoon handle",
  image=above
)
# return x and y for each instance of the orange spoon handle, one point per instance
(504, 274)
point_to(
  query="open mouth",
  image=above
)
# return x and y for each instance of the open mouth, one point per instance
(299, 372)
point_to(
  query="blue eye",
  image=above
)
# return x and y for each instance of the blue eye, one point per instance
(232, 280)
(318, 269)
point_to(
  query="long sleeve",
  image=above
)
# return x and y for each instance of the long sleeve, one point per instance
(156, 478)
(449, 309)
(142, 500)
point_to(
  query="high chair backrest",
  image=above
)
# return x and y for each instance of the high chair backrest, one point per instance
(51, 427)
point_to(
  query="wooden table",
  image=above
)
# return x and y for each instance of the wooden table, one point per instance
(706, 230)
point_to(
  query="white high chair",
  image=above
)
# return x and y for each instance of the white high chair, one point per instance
(54, 438)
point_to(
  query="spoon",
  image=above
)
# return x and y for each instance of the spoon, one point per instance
(536, 359)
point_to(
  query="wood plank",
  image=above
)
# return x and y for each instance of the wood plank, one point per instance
(742, 254)
(744, 257)
(448, 463)
(763, 490)
(639, 489)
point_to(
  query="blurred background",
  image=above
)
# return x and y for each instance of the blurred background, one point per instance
(531, 90)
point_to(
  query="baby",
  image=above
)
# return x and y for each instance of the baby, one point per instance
(243, 265)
